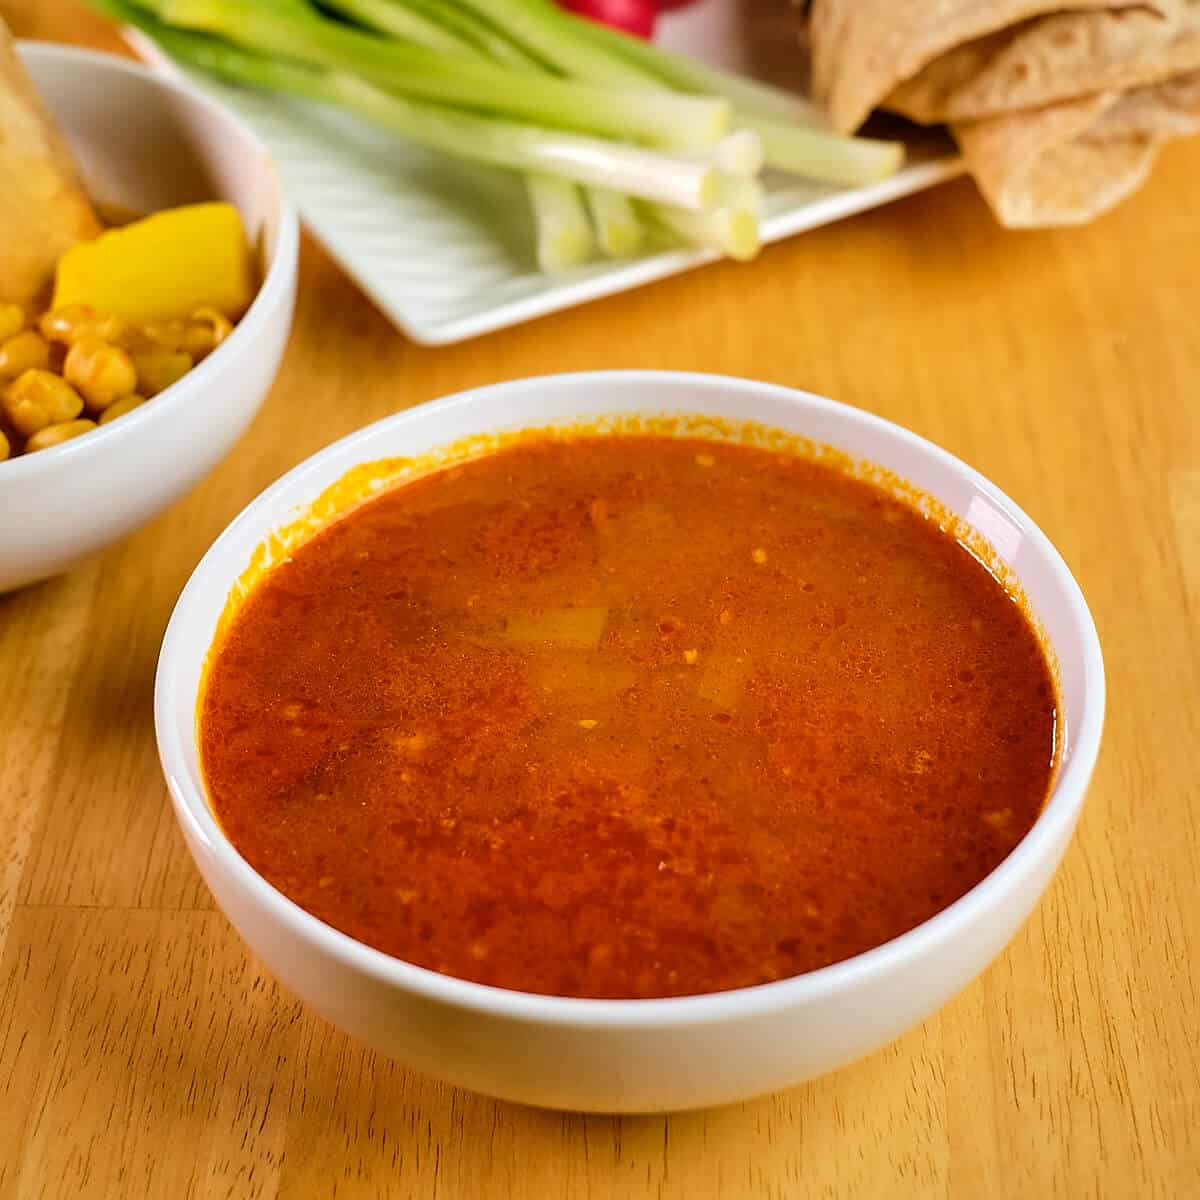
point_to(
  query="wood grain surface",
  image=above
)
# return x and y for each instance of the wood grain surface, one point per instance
(143, 1053)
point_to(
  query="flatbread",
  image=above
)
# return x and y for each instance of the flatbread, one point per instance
(1049, 59)
(864, 49)
(1060, 107)
(1067, 163)
(43, 207)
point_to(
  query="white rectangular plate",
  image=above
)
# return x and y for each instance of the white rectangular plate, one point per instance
(445, 248)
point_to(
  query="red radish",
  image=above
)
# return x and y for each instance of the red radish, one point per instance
(630, 16)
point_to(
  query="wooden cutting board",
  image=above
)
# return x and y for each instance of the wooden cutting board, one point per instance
(145, 1054)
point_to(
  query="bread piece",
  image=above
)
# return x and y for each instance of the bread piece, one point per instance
(864, 49)
(1067, 163)
(1050, 59)
(43, 207)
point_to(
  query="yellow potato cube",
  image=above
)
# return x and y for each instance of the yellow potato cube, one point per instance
(163, 267)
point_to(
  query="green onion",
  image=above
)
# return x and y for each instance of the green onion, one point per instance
(589, 51)
(595, 119)
(405, 21)
(291, 29)
(690, 75)
(564, 233)
(637, 172)
(618, 229)
(730, 231)
(739, 192)
(547, 31)
(740, 153)
(850, 162)
(433, 24)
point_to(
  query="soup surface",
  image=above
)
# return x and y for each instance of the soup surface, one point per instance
(628, 716)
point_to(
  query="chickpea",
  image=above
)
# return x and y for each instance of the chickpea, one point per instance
(58, 356)
(69, 324)
(158, 369)
(12, 320)
(209, 329)
(120, 407)
(64, 366)
(198, 336)
(39, 398)
(166, 335)
(58, 324)
(55, 435)
(100, 372)
(21, 352)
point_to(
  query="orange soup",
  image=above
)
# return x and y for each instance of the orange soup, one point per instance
(628, 716)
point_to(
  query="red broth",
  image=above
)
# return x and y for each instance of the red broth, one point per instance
(628, 716)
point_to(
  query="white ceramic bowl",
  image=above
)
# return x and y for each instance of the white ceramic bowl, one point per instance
(144, 143)
(635, 1055)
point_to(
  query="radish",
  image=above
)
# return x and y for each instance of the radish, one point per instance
(630, 16)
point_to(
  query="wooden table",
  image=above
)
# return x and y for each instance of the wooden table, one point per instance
(144, 1054)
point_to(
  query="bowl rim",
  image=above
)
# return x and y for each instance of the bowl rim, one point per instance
(1055, 822)
(272, 292)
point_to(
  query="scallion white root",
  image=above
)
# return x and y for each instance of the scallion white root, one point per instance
(733, 232)
(740, 153)
(564, 233)
(738, 191)
(618, 228)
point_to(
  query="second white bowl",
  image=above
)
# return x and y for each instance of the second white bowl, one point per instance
(144, 143)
